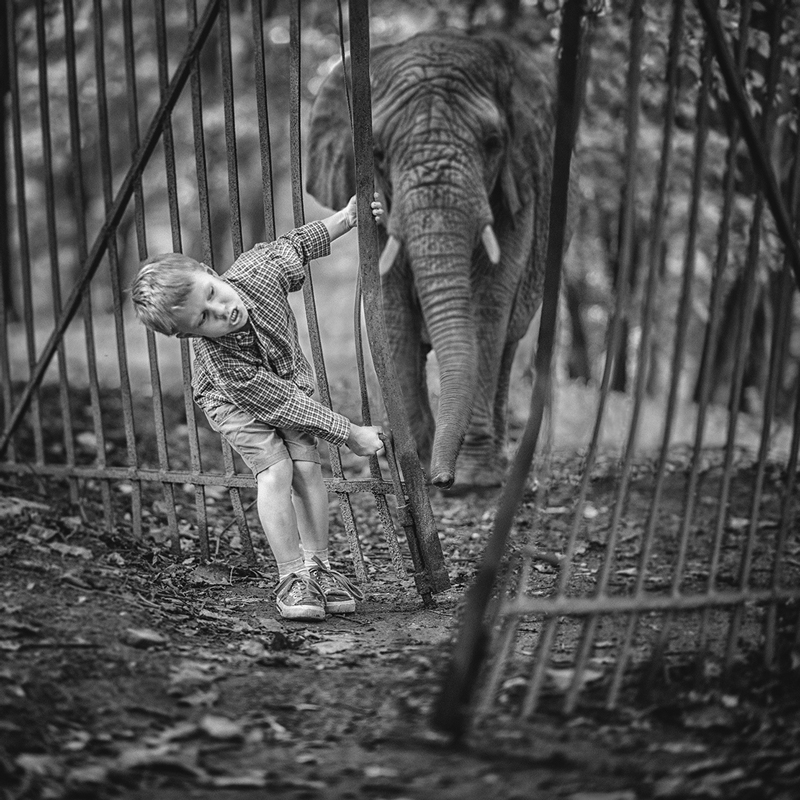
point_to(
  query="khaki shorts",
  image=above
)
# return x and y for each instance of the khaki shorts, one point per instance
(259, 444)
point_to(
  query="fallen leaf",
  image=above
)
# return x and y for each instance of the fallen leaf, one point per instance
(143, 637)
(562, 678)
(210, 575)
(218, 727)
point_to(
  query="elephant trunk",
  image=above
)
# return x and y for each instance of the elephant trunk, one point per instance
(440, 254)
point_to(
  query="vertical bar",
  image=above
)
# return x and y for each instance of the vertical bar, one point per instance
(52, 241)
(6, 66)
(655, 245)
(155, 377)
(138, 205)
(236, 217)
(449, 714)
(626, 251)
(263, 121)
(208, 258)
(780, 334)
(113, 254)
(433, 575)
(73, 100)
(24, 242)
(788, 500)
(746, 314)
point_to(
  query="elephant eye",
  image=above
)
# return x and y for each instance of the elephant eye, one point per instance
(378, 154)
(493, 143)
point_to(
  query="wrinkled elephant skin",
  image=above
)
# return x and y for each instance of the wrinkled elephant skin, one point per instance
(462, 128)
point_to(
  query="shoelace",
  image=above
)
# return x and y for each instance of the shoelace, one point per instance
(308, 583)
(340, 580)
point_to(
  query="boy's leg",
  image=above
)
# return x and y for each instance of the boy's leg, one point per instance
(298, 596)
(267, 455)
(311, 507)
(277, 515)
(311, 502)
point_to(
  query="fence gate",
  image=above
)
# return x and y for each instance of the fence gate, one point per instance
(592, 600)
(128, 126)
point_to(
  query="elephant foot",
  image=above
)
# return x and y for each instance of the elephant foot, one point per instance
(477, 476)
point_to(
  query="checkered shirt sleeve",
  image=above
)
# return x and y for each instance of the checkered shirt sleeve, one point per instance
(249, 385)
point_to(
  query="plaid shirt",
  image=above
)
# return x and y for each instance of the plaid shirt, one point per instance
(261, 368)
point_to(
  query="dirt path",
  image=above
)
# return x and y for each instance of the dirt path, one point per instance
(124, 674)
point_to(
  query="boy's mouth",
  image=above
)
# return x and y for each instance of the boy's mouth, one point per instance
(234, 316)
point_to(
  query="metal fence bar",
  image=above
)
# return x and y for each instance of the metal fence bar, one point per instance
(656, 244)
(138, 203)
(205, 236)
(152, 347)
(82, 251)
(788, 499)
(262, 107)
(113, 254)
(24, 241)
(780, 335)
(52, 240)
(745, 321)
(430, 574)
(6, 399)
(625, 258)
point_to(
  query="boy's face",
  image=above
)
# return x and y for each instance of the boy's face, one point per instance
(212, 309)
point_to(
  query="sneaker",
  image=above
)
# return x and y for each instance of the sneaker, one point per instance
(300, 597)
(339, 591)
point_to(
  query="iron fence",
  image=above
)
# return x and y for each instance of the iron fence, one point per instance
(98, 92)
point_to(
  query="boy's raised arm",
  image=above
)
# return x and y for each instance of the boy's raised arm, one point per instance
(340, 222)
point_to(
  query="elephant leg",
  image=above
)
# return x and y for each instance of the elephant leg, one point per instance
(482, 459)
(501, 403)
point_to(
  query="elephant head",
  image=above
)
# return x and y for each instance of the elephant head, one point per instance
(462, 128)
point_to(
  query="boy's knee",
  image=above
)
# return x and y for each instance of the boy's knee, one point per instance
(277, 477)
(306, 473)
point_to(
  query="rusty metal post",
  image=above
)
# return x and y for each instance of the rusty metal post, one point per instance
(433, 575)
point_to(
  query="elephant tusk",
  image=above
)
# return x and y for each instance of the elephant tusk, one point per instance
(490, 243)
(389, 254)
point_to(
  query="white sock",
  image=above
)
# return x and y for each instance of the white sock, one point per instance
(296, 565)
(322, 555)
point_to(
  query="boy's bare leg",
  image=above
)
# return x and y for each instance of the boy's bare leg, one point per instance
(311, 506)
(277, 514)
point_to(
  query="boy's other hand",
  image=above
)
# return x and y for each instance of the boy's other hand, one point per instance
(365, 440)
(351, 214)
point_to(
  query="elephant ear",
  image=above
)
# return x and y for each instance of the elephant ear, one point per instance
(331, 163)
(528, 103)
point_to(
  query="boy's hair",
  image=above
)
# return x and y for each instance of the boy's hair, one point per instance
(163, 282)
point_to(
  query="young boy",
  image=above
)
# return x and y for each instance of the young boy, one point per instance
(254, 384)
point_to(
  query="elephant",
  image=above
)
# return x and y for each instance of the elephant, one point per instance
(463, 128)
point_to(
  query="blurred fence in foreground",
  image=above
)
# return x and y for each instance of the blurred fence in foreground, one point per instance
(692, 558)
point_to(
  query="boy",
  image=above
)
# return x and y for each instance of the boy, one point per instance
(254, 384)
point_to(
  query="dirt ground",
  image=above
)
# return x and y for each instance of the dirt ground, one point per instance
(125, 673)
